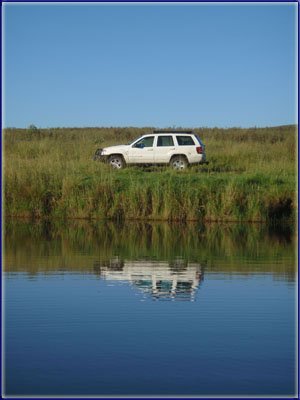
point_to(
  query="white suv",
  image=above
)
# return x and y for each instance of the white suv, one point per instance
(176, 148)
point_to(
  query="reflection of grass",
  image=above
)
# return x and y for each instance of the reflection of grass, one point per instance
(50, 173)
(79, 245)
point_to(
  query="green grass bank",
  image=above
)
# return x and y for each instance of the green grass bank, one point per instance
(50, 173)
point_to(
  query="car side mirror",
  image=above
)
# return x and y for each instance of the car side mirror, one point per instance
(139, 145)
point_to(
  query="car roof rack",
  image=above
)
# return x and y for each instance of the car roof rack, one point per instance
(172, 131)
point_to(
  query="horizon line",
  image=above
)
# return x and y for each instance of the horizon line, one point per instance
(153, 127)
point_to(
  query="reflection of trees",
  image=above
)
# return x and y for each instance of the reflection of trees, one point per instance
(76, 245)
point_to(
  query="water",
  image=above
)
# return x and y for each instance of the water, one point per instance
(149, 309)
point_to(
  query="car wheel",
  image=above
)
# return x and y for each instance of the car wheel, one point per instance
(179, 163)
(116, 161)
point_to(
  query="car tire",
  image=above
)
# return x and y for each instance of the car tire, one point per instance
(116, 161)
(179, 163)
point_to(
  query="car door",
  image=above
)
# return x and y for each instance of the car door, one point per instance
(141, 152)
(187, 146)
(164, 149)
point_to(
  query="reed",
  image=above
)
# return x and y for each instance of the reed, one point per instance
(50, 173)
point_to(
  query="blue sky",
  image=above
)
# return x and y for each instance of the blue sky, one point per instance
(149, 65)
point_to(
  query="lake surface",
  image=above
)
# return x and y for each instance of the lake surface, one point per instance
(149, 309)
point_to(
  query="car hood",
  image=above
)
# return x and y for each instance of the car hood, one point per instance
(120, 147)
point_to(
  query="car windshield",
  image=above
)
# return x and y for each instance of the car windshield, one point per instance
(132, 141)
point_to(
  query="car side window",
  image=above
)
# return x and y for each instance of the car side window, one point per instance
(185, 141)
(165, 141)
(145, 142)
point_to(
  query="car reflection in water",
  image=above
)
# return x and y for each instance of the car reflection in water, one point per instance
(177, 280)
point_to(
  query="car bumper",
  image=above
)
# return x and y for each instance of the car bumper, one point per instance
(100, 157)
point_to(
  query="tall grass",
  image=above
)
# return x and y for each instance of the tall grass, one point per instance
(50, 173)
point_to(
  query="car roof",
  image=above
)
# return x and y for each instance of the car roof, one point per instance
(173, 131)
(169, 132)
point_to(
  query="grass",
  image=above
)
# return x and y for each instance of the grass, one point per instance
(49, 173)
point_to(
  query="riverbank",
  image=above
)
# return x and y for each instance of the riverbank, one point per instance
(50, 173)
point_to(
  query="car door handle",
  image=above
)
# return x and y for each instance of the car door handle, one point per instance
(150, 150)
